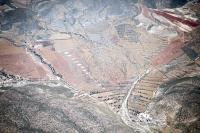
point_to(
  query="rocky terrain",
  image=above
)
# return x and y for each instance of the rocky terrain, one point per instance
(99, 66)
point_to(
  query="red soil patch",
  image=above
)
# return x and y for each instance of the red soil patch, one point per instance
(167, 14)
(60, 64)
(171, 52)
(16, 61)
(173, 19)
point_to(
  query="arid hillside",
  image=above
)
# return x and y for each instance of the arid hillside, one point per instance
(99, 66)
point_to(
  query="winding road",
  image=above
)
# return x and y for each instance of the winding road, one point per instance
(124, 109)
